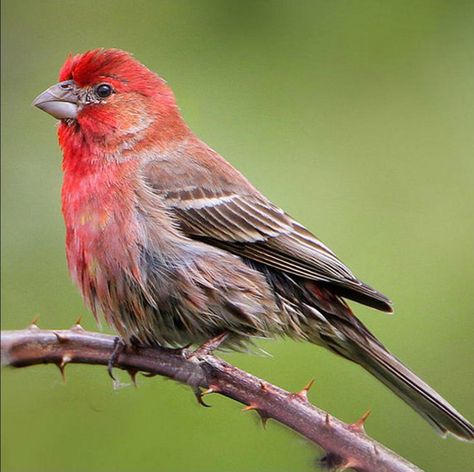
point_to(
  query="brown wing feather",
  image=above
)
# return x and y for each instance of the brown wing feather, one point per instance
(215, 203)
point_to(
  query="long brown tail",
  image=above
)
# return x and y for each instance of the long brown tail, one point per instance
(331, 323)
(410, 388)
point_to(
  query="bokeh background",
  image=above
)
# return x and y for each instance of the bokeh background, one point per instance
(356, 117)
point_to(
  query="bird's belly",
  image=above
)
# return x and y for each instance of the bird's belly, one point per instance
(120, 287)
(194, 297)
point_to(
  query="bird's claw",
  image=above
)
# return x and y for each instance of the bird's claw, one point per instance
(118, 348)
(209, 346)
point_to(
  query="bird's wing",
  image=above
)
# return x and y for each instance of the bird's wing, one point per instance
(214, 203)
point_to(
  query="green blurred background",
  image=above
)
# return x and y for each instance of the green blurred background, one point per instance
(356, 117)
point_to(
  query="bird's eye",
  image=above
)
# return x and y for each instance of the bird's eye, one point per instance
(103, 90)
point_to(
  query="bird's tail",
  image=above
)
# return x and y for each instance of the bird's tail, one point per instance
(421, 397)
(331, 323)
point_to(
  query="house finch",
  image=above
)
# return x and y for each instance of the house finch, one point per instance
(175, 246)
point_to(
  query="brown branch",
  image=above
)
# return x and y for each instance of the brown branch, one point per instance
(347, 446)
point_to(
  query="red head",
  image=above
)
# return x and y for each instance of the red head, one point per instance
(112, 66)
(110, 98)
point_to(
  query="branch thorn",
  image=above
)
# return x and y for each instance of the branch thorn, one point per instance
(62, 365)
(303, 394)
(34, 323)
(327, 420)
(77, 324)
(61, 338)
(250, 407)
(209, 390)
(133, 376)
(263, 418)
(348, 465)
(359, 424)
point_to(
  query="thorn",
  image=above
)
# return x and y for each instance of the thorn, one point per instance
(60, 337)
(133, 376)
(263, 418)
(148, 374)
(303, 394)
(263, 387)
(198, 394)
(359, 424)
(34, 323)
(77, 325)
(348, 465)
(64, 361)
(209, 390)
(376, 450)
(250, 407)
(327, 420)
(61, 369)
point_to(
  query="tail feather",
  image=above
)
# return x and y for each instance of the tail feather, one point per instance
(410, 388)
(325, 319)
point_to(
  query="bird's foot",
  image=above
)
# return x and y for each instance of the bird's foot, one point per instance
(119, 347)
(206, 349)
(209, 346)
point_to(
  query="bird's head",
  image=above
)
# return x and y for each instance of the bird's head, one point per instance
(108, 95)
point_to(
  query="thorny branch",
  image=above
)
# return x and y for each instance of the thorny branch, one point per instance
(347, 446)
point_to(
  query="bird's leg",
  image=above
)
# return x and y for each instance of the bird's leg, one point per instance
(182, 351)
(119, 347)
(206, 349)
(209, 346)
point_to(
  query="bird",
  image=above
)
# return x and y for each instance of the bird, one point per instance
(175, 247)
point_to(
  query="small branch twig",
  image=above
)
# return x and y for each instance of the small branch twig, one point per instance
(347, 446)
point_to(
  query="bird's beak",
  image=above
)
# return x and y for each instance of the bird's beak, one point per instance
(60, 100)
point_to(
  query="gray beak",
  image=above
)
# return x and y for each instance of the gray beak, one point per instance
(60, 100)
